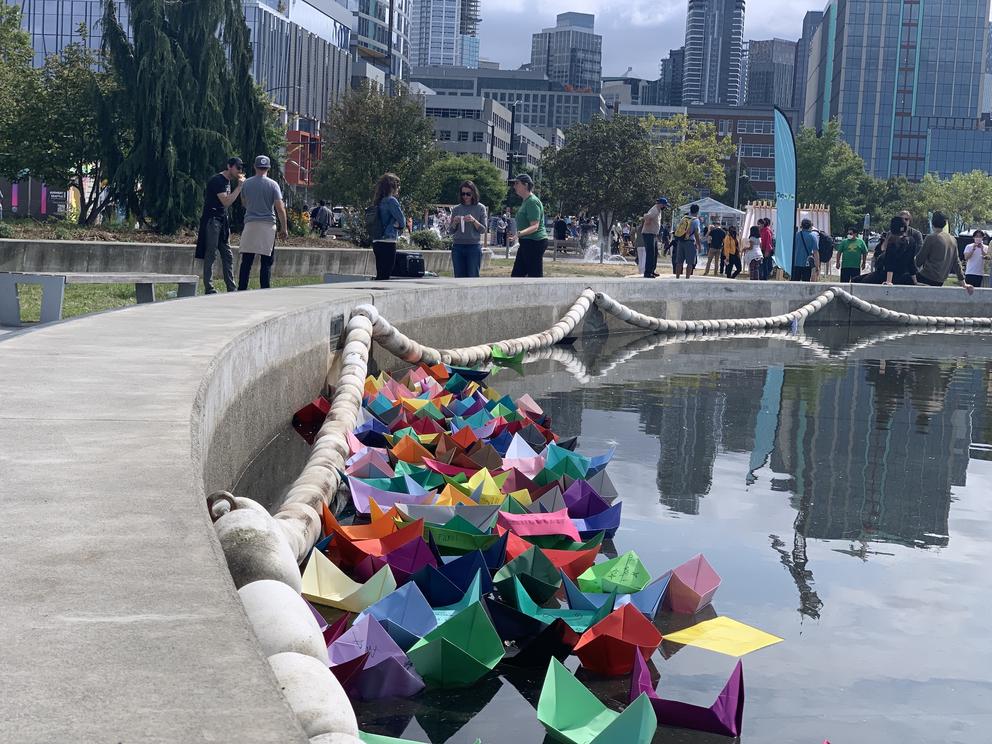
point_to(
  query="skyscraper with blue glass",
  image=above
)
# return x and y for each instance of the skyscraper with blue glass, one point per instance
(904, 79)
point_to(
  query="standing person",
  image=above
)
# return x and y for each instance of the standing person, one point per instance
(650, 227)
(215, 229)
(688, 243)
(501, 230)
(914, 236)
(939, 256)
(468, 226)
(387, 224)
(715, 235)
(530, 229)
(752, 259)
(262, 199)
(767, 248)
(732, 253)
(511, 229)
(322, 219)
(825, 248)
(666, 233)
(900, 256)
(852, 256)
(805, 253)
(560, 229)
(974, 256)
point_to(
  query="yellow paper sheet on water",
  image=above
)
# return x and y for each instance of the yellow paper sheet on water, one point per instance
(725, 636)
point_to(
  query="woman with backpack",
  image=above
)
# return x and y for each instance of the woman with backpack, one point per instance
(385, 222)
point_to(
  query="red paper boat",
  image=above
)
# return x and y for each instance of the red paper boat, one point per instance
(610, 646)
(570, 562)
(692, 586)
(348, 553)
(308, 420)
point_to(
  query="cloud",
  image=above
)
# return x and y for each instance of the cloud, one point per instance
(636, 33)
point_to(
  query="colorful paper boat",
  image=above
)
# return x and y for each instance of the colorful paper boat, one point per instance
(326, 584)
(387, 671)
(347, 553)
(405, 615)
(624, 574)
(578, 620)
(457, 536)
(554, 523)
(550, 501)
(538, 575)
(561, 462)
(555, 641)
(481, 517)
(460, 651)
(308, 420)
(472, 594)
(609, 647)
(572, 714)
(572, 561)
(648, 600)
(692, 586)
(724, 717)
(463, 570)
(362, 493)
(589, 511)
(436, 587)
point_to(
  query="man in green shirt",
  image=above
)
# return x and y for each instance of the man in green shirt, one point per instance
(533, 238)
(851, 257)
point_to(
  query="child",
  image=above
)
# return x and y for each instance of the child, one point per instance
(752, 258)
(974, 256)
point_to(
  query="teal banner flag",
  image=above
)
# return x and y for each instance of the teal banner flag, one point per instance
(785, 191)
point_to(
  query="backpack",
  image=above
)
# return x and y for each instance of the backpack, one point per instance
(373, 223)
(682, 231)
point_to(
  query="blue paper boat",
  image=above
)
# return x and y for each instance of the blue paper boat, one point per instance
(648, 600)
(405, 615)
(607, 521)
(436, 587)
(471, 596)
(464, 569)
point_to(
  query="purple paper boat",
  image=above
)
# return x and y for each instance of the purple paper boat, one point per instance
(387, 671)
(723, 717)
(590, 512)
(362, 494)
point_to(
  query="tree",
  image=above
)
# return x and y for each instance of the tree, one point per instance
(68, 96)
(368, 133)
(692, 158)
(449, 172)
(187, 97)
(15, 77)
(831, 173)
(965, 198)
(607, 167)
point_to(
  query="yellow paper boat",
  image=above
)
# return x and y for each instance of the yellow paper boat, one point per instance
(326, 584)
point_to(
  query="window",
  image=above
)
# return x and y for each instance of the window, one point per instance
(444, 135)
(477, 136)
(463, 136)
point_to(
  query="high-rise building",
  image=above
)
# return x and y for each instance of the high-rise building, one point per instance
(904, 80)
(299, 47)
(671, 72)
(444, 32)
(570, 53)
(714, 41)
(370, 35)
(771, 68)
(811, 22)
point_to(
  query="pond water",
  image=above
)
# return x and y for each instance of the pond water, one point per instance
(841, 484)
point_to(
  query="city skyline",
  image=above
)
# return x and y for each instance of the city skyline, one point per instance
(637, 34)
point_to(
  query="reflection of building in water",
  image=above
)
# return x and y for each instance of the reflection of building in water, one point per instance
(877, 462)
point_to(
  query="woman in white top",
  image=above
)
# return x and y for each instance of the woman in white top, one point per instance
(974, 256)
(752, 257)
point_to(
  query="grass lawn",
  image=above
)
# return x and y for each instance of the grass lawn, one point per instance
(81, 299)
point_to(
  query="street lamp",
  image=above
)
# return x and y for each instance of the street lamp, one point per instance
(512, 155)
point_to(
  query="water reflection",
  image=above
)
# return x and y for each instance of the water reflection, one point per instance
(783, 457)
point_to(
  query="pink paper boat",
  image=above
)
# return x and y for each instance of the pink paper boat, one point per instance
(692, 586)
(552, 523)
(723, 717)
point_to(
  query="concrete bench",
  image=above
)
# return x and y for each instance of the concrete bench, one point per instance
(53, 289)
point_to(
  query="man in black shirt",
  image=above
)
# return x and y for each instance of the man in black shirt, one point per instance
(215, 229)
(716, 235)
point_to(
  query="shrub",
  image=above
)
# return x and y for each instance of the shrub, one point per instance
(427, 240)
(355, 230)
(6, 231)
(62, 232)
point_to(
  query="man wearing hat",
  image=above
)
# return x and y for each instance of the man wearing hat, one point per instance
(262, 199)
(215, 229)
(650, 228)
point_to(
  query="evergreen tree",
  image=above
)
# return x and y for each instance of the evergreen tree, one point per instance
(187, 98)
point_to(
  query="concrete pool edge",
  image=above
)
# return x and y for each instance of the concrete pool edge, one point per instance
(119, 424)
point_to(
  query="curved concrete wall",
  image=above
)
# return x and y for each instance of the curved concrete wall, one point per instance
(121, 620)
(172, 258)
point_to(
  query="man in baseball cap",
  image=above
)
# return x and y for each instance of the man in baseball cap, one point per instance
(647, 258)
(262, 198)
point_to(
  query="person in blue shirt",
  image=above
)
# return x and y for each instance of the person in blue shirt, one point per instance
(393, 223)
(804, 253)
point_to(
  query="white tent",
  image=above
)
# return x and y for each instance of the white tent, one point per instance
(709, 208)
(818, 214)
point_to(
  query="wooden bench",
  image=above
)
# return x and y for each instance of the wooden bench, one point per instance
(53, 289)
(564, 246)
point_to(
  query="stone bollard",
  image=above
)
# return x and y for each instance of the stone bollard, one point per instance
(314, 694)
(281, 620)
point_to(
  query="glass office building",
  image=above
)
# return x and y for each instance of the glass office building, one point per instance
(714, 52)
(54, 24)
(570, 53)
(370, 34)
(444, 32)
(904, 79)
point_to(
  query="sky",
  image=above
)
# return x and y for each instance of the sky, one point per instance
(636, 33)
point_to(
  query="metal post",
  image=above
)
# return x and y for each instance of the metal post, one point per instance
(737, 184)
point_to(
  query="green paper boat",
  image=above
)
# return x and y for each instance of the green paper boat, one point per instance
(578, 620)
(537, 574)
(501, 357)
(426, 478)
(565, 462)
(564, 542)
(572, 714)
(460, 651)
(512, 506)
(458, 535)
(624, 574)
(377, 739)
